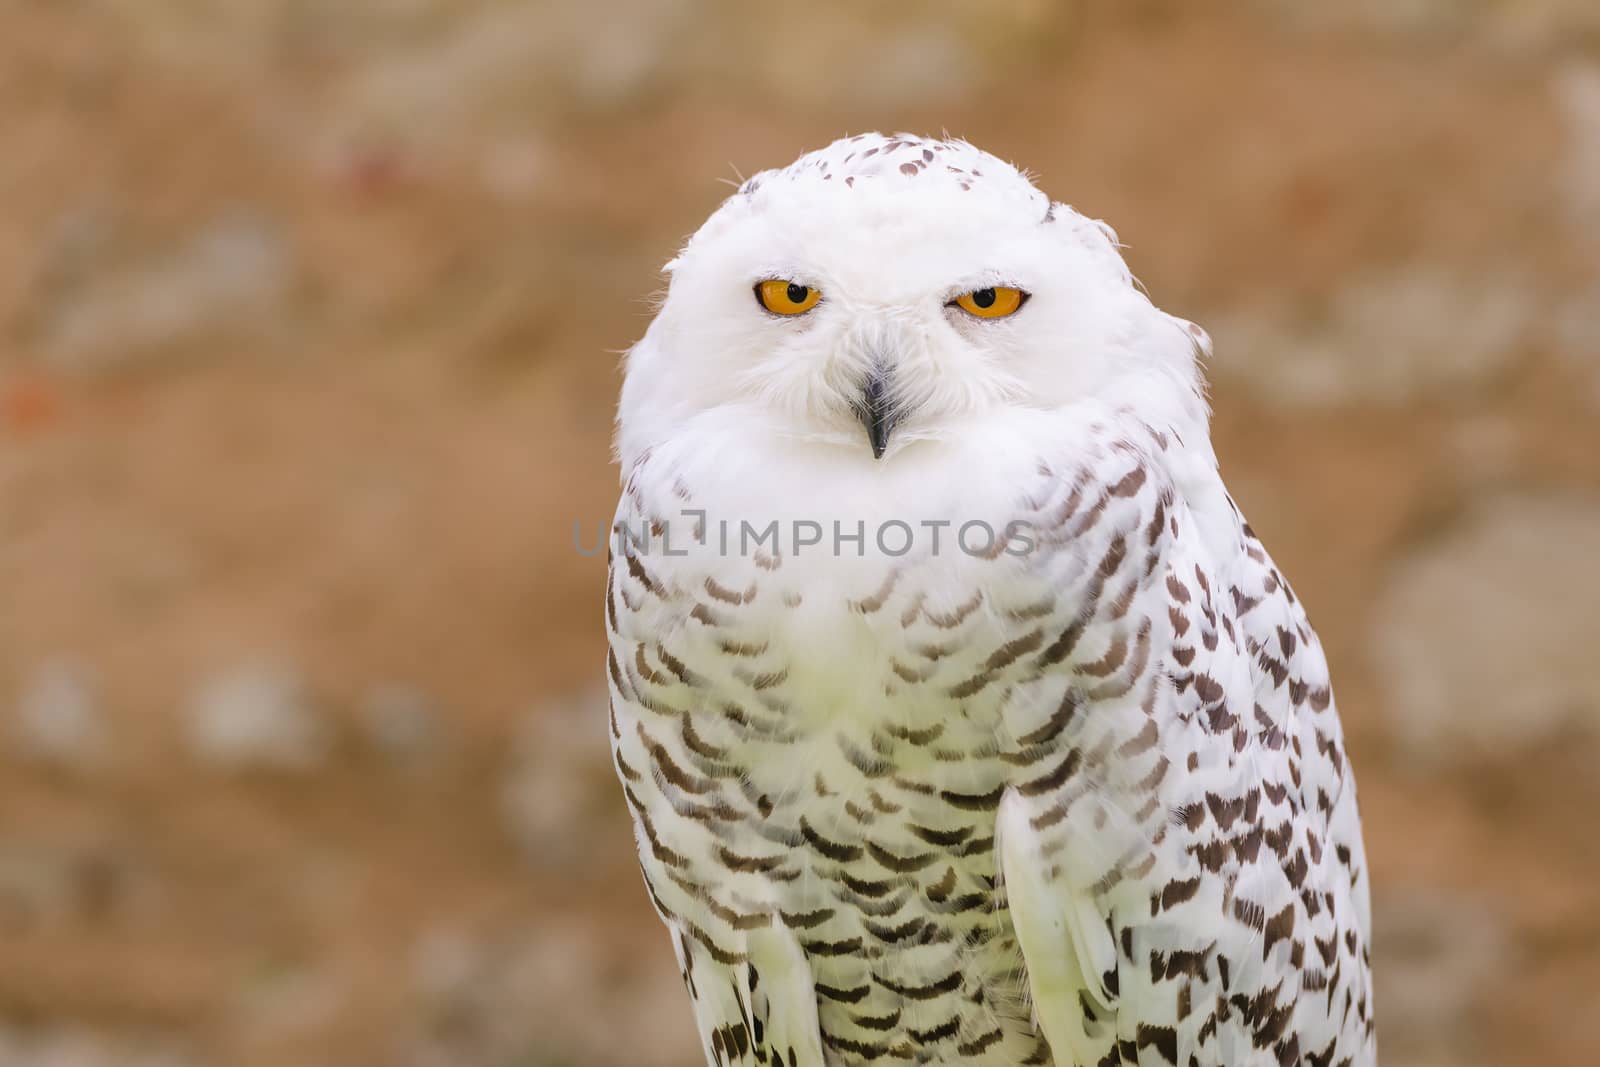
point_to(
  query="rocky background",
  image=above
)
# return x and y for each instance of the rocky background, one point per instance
(309, 322)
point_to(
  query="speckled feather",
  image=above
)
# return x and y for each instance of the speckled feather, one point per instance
(1086, 804)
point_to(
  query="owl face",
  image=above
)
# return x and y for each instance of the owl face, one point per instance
(886, 291)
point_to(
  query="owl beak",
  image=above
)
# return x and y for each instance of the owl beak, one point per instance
(876, 413)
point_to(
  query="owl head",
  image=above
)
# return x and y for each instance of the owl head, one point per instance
(887, 291)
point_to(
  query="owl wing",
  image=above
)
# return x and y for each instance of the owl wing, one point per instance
(1174, 880)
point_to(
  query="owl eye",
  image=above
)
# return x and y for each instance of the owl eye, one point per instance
(995, 302)
(783, 297)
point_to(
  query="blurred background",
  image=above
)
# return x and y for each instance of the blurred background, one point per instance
(310, 318)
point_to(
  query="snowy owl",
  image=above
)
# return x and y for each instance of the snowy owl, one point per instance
(961, 716)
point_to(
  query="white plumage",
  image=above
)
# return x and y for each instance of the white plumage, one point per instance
(1008, 744)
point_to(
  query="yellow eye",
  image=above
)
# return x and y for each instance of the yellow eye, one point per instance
(782, 297)
(993, 303)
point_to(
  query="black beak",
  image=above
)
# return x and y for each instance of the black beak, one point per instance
(876, 414)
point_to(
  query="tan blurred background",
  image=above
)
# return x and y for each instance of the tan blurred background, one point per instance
(309, 323)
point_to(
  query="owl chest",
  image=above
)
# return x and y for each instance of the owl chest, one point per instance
(804, 797)
(837, 776)
(830, 740)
